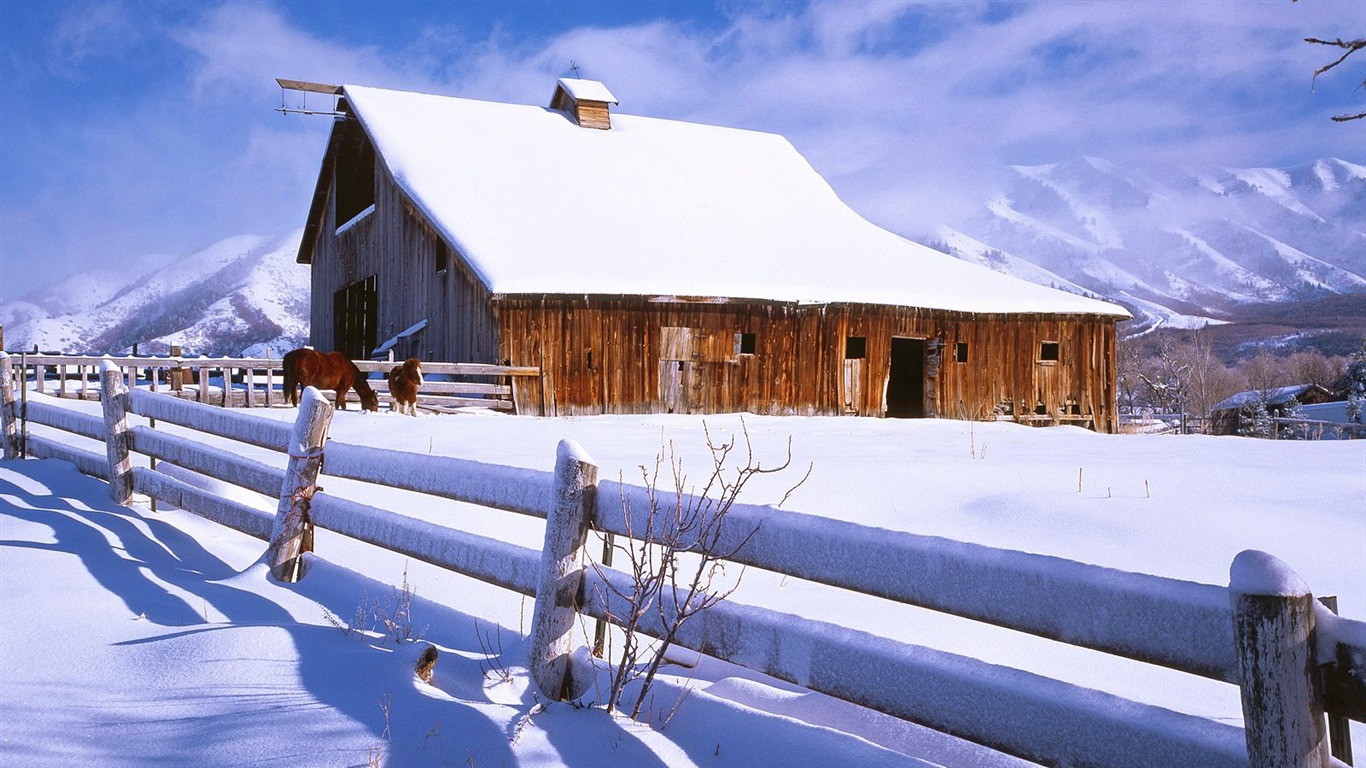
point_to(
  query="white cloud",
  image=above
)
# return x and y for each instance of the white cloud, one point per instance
(908, 108)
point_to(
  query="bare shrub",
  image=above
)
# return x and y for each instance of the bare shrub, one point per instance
(392, 618)
(674, 563)
(492, 666)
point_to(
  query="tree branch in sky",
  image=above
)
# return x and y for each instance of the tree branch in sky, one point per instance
(1349, 47)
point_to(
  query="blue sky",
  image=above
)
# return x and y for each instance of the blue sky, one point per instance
(147, 127)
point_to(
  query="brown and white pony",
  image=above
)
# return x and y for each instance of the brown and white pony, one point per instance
(305, 367)
(403, 383)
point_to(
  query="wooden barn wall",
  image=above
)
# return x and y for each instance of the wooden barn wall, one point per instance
(616, 355)
(395, 243)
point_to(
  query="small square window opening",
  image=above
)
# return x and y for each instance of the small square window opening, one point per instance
(1048, 352)
(856, 348)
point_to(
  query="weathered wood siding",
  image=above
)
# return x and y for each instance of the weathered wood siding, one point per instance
(615, 355)
(395, 243)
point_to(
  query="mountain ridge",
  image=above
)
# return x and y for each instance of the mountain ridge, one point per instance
(1177, 245)
(240, 296)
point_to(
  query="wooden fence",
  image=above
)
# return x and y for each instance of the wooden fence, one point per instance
(1294, 661)
(258, 382)
(1284, 428)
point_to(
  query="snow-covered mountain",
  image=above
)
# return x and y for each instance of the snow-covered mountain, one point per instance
(241, 296)
(1178, 246)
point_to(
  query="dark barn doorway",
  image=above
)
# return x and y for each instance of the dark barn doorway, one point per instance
(906, 382)
(355, 318)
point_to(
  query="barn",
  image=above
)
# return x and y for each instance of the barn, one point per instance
(649, 266)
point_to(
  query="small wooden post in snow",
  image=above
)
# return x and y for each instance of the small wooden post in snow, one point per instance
(9, 410)
(1273, 624)
(114, 397)
(177, 370)
(573, 496)
(286, 550)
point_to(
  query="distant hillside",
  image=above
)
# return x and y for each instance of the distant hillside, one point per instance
(1181, 247)
(242, 296)
(1334, 325)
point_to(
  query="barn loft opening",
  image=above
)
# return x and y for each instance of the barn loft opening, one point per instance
(960, 352)
(906, 380)
(744, 343)
(586, 102)
(855, 347)
(441, 256)
(355, 175)
(1048, 352)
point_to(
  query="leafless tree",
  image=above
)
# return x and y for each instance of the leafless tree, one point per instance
(1263, 374)
(1210, 380)
(1166, 376)
(676, 577)
(1128, 373)
(1311, 366)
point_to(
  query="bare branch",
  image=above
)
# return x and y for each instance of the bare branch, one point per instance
(1349, 47)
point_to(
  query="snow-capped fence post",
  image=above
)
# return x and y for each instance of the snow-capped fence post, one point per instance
(1339, 727)
(114, 398)
(9, 410)
(177, 370)
(1283, 704)
(573, 497)
(287, 536)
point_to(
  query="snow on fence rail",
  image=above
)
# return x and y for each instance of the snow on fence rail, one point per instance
(1292, 659)
(258, 382)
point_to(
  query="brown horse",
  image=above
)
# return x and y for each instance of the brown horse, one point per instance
(305, 367)
(403, 383)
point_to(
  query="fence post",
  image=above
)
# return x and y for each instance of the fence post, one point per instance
(287, 546)
(114, 397)
(177, 370)
(1273, 625)
(1339, 728)
(9, 410)
(573, 497)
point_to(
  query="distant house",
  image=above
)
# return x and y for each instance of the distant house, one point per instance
(651, 266)
(1226, 416)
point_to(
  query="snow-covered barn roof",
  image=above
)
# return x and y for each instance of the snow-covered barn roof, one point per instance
(1277, 396)
(535, 204)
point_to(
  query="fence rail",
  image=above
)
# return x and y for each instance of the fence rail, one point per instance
(1224, 633)
(258, 382)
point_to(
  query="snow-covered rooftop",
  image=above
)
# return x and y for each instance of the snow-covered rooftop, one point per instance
(1276, 396)
(656, 207)
(586, 90)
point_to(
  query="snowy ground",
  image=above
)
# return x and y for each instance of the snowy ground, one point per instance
(140, 638)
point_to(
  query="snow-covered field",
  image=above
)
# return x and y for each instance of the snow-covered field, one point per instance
(140, 638)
